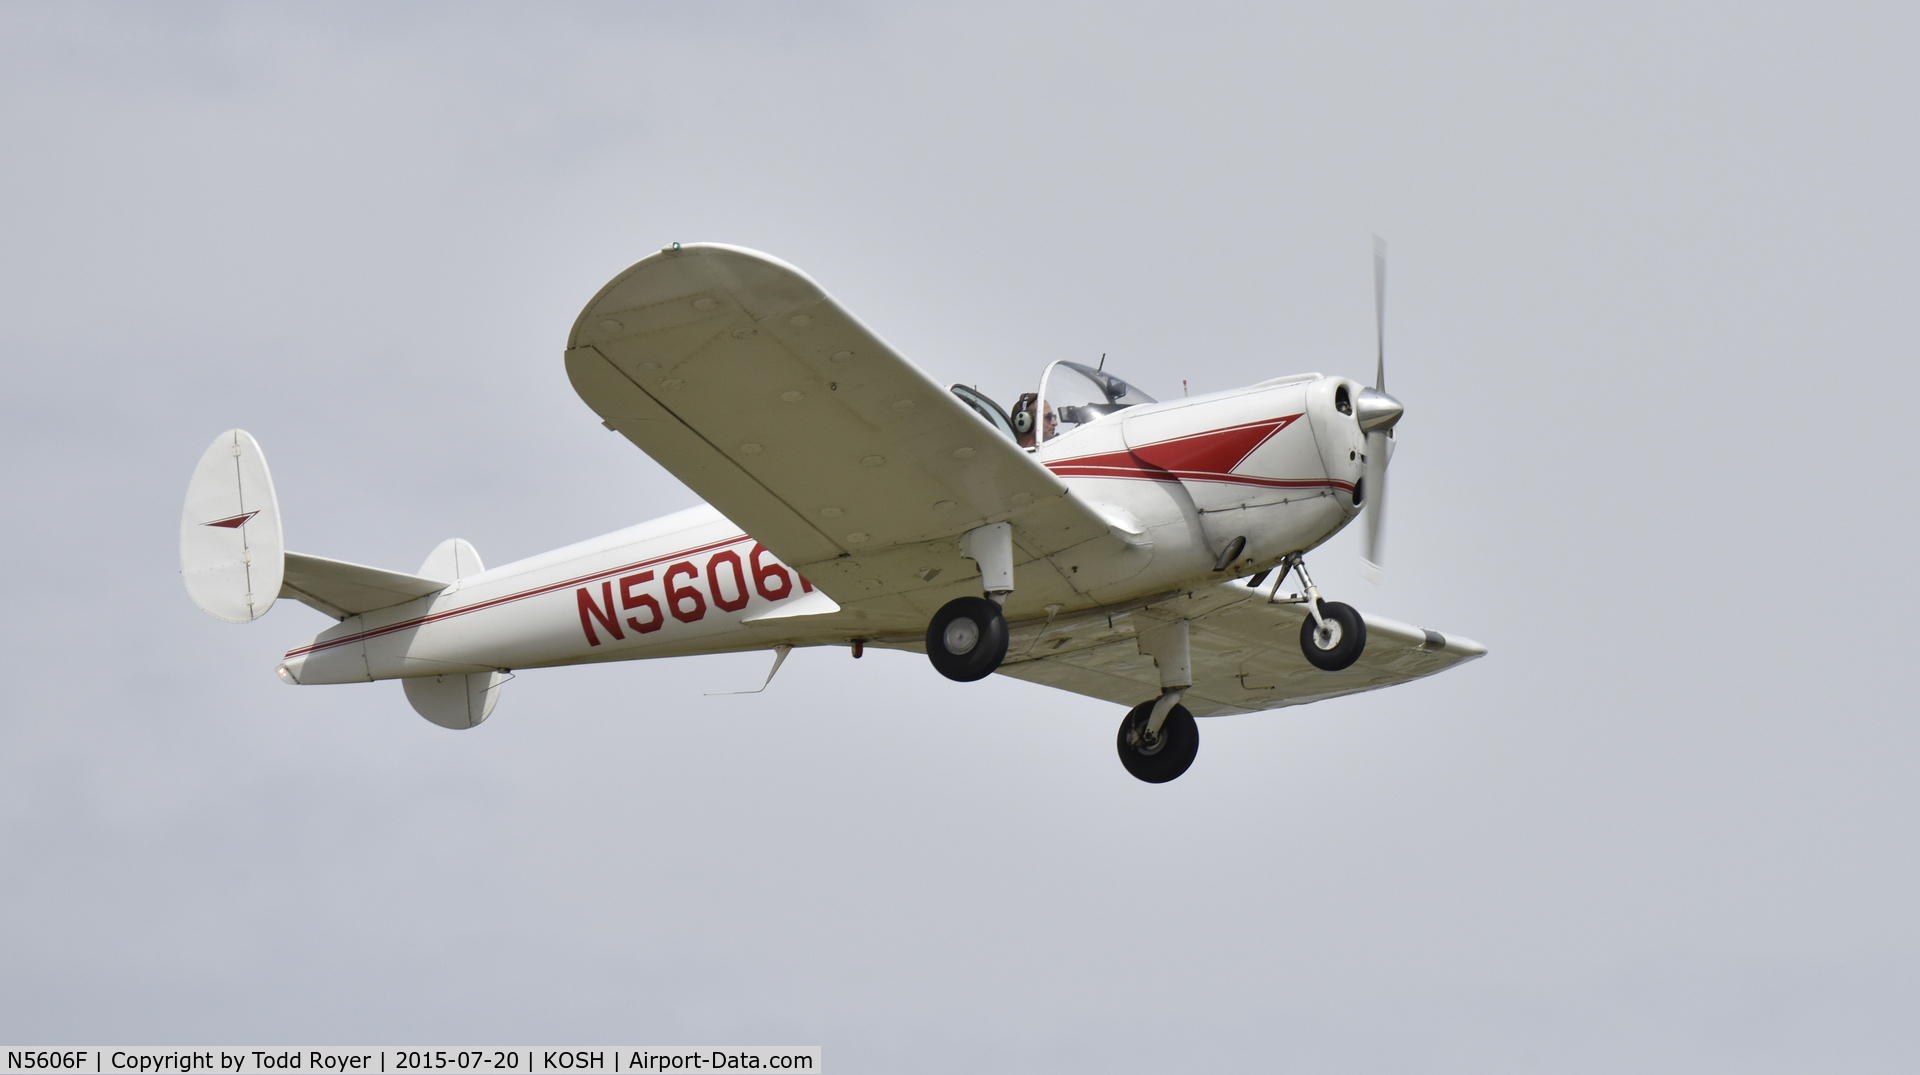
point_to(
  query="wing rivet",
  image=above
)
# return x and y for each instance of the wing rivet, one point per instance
(832, 513)
(902, 405)
(751, 448)
(873, 460)
(742, 333)
(963, 453)
(672, 382)
(1021, 498)
(858, 537)
(792, 395)
(842, 356)
(944, 505)
(610, 325)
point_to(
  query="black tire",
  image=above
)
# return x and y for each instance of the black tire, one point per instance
(1167, 758)
(967, 639)
(1340, 645)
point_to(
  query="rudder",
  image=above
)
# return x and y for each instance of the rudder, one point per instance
(454, 701)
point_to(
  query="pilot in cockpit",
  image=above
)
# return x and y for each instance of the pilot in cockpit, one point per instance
(1023, 420)
(1032, 414)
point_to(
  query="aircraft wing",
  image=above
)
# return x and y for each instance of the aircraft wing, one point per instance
(750, 384)
(1245, 651)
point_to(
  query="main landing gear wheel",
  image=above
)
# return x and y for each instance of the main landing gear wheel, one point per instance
(967, 639)
(1337, 643)
(1164, 757)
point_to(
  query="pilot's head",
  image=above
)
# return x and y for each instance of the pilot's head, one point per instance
(1023, 409)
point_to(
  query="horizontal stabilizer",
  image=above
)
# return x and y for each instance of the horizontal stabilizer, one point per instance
(341, 589)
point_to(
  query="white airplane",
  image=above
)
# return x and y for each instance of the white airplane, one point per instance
(1092, 539)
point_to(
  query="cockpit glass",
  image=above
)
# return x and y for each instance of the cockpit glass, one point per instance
(985, 408)
(1078, 394)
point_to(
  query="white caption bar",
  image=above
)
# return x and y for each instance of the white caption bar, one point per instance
(641, 1060)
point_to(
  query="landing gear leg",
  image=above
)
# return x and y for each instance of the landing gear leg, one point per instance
(967, 638)
(1158, 740)
(1333, 634)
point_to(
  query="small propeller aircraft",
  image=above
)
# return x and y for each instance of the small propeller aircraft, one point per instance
(1091, 538)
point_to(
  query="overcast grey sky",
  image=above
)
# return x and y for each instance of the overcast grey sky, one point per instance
(1651, 312)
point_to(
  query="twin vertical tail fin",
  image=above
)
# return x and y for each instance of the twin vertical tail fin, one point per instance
(232, 550)
(454, 701)
(234, 560)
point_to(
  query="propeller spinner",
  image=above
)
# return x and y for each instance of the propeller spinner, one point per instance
(1376, 412)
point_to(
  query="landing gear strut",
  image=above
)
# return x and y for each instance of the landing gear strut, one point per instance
(967, 638)
(1333, 634)
(1158, 740)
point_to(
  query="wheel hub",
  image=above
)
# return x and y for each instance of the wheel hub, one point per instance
(1145, 743)
(1327, 636)
(961, 636)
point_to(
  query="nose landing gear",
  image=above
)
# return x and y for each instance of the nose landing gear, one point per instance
(1333, 635)
(1334, 639)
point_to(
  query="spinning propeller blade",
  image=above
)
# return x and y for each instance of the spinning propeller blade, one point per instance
(1379, 314)
(1377, 413)
(1376, 480)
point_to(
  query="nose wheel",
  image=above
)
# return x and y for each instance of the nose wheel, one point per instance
(1333, 635)
(1335, 639)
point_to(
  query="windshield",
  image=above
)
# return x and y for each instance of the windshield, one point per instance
(1077, 395)
(986, 409)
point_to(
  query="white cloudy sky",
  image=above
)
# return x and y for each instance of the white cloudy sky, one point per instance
(1654, 268)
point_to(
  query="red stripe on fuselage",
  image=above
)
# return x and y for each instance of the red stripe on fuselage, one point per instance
(1199, 457)
(1109, 465)
(1212, 451)
(521, 596)
(1070, 469)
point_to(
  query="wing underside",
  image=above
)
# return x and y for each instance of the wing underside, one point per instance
(773, 403)
(1245, 651)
